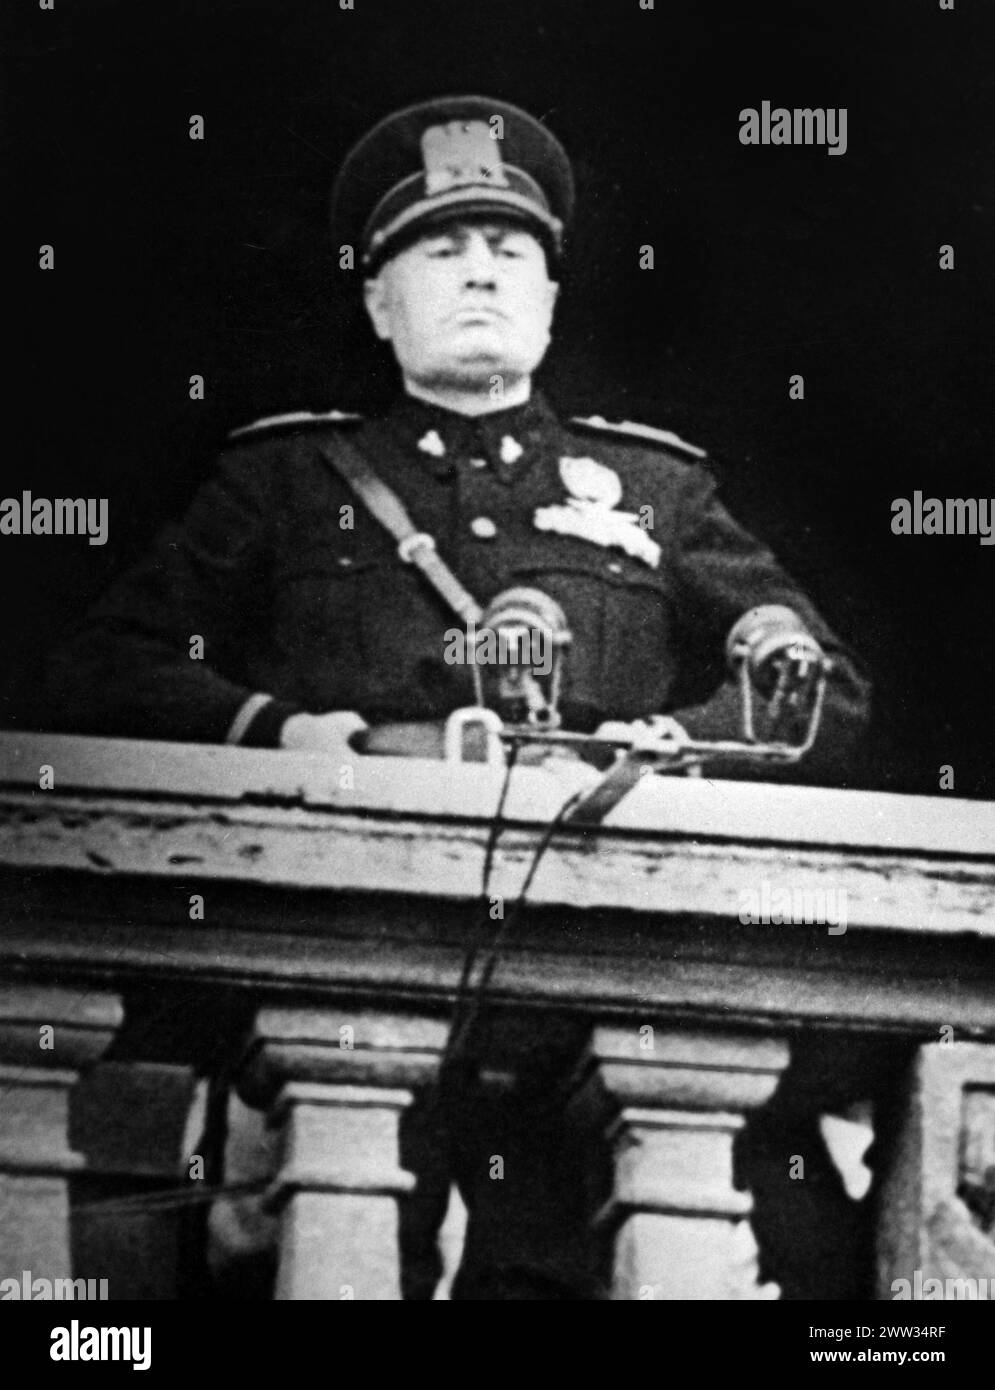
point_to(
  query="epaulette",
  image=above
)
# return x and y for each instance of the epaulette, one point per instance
(673, 441)
(296, 417)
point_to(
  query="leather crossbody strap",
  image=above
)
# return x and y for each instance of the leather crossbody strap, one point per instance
(414, 547)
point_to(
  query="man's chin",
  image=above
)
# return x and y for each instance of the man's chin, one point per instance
(476, 372)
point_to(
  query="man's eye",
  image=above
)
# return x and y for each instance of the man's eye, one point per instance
(511, 251)
(438, 252)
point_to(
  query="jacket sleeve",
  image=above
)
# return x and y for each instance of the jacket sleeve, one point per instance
(136, 669)
(722, 572)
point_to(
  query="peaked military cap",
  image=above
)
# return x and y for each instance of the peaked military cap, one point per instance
(452, 155)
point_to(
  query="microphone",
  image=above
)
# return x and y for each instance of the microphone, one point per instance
(782, 659)
(523, 635)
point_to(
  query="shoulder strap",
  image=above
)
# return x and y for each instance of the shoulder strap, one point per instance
(414, 547)
(295, 417)
(630, 427)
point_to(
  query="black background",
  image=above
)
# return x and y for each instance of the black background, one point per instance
(176, 257)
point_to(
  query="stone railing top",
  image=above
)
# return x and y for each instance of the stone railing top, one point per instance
(668, 806)
(420, 828)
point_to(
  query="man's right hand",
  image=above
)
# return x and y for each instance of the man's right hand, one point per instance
(326, 733)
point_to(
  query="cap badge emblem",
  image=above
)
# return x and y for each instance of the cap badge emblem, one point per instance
(461, 153)
(589, 512)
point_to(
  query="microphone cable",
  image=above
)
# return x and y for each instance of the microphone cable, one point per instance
(479, 930)
(470, 1001)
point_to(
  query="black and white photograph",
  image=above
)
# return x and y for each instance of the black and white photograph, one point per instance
(496, 731)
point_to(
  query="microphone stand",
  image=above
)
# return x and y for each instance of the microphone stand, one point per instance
(656, 752)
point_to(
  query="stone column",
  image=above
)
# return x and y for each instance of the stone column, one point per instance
(47, 1037)
(669, 1103)
(937, 1201)
(335, 1083)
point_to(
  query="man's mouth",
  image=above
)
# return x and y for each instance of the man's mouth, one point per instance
(480, 314)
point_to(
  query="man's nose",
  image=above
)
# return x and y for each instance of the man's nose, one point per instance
(479, 261)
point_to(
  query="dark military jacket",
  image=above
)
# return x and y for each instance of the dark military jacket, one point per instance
(299, 593)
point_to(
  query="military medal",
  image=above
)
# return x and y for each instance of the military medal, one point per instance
(589, 512)
(591, 481)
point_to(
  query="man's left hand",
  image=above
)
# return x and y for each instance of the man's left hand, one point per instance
(658, 731)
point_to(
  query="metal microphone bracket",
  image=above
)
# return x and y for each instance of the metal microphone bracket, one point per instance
(637, 755)
(767, 646)
(778, 751)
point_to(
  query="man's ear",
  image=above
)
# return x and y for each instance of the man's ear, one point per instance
(377, 298)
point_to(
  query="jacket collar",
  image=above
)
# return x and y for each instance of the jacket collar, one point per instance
(442, 441)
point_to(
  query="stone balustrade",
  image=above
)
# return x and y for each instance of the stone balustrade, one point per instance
(299, 929)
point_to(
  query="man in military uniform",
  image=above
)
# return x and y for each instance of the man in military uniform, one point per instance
(314, 625)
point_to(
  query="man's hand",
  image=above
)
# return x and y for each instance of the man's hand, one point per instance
(645, 735)
(326, 733)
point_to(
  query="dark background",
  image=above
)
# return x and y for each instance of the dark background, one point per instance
(176, 257)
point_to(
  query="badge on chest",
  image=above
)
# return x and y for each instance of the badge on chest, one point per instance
(590, 514)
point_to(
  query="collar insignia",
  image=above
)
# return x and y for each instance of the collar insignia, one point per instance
(589, 512)
(511, 451)
(431, 443)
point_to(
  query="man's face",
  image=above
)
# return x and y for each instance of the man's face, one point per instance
(465, 303)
